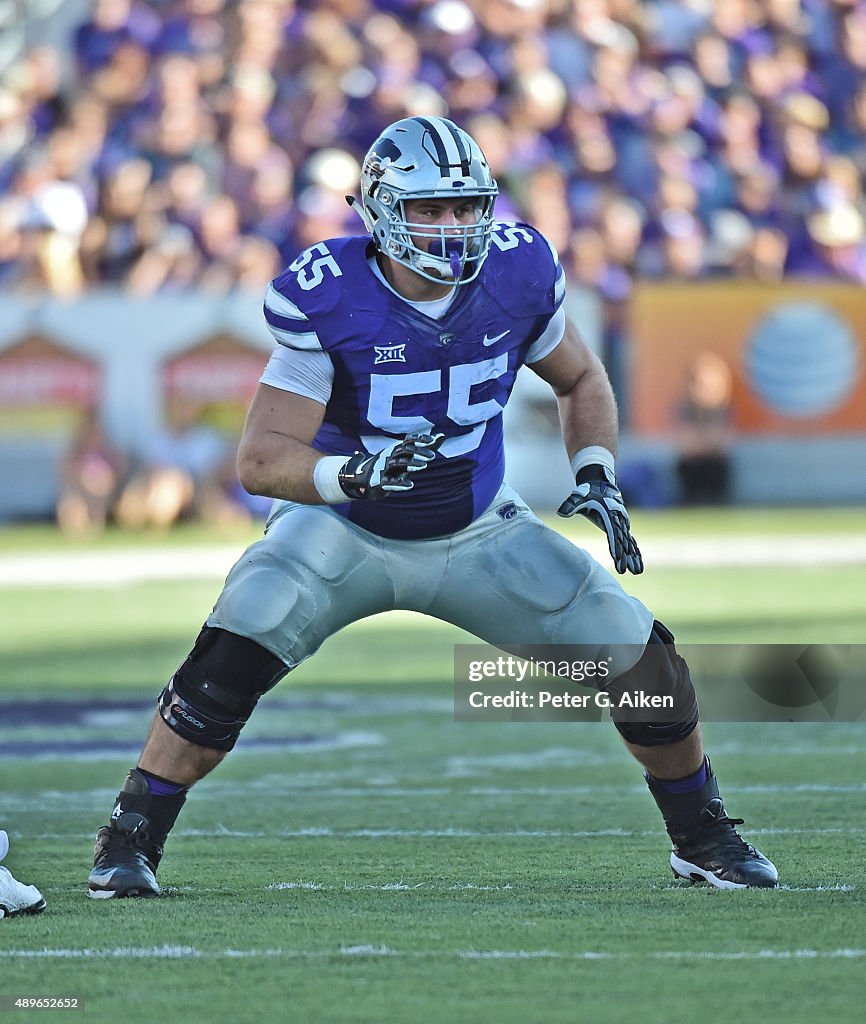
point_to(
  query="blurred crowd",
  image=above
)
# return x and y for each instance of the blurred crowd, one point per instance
(203, 143)
(185, 471)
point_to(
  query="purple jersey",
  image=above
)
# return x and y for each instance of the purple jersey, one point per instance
(397, 370)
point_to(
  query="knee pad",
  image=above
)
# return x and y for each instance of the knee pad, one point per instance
(213, 693)
(659, 673)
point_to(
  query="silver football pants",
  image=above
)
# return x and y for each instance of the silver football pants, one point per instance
(507, 578)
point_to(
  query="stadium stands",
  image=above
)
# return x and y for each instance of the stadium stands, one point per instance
(202, 143)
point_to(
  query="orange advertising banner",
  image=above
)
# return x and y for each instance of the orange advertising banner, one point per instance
(796, 352)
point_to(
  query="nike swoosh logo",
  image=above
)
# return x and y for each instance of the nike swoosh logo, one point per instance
(487, 341)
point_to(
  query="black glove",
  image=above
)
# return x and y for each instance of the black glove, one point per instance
(376, 476)
(597, 497)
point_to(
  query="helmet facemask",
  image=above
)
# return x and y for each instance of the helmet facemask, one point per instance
(451, 253)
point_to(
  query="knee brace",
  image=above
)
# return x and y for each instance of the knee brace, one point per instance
(660, 672)
(213, 693)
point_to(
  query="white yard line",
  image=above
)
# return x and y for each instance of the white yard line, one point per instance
(114, 567)
(471, 886)
(315, 832)
(110, 568)
(379, 950)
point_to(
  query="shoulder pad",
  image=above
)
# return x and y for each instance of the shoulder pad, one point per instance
(330, 285)
(327, 274)
(522, 271)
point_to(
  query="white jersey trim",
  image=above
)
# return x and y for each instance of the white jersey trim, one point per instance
(308, 342)
(548, 341)
(290, 336)
(559, 282)
(278, 303)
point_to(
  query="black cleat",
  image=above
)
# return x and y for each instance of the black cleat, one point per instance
(713, 852)
(125, 859)
(706, 844)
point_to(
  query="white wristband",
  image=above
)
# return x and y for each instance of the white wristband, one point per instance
(594, 455)
(326, 479)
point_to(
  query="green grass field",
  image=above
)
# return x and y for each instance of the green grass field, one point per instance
(362, 857)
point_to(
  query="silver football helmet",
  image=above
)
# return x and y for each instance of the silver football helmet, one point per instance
(427, 158)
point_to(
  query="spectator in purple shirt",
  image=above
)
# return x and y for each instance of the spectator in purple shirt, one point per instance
(112, 23)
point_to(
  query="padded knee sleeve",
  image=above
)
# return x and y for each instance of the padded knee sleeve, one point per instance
(638, 714)
(213, 693)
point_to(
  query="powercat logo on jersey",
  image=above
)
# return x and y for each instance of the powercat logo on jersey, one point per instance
(390, 354)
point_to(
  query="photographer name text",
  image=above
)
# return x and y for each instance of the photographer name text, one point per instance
(547, 699)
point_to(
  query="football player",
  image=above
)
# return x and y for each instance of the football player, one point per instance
(15, 897)
(377, 427)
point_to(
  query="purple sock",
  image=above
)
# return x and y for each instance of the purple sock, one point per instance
(161, 787)
(690, 783)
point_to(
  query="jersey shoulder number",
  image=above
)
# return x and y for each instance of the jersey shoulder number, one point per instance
(324, 274)
(508, 235)
(313, 266)
(525, 276)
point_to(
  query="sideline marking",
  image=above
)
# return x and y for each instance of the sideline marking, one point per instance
(110, 568)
